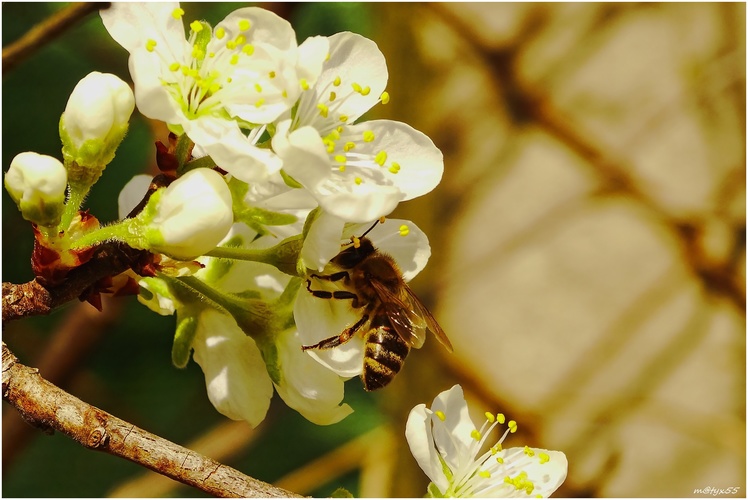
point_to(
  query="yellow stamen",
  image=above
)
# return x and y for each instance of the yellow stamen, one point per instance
(177, 13)
(381, 158)
(474, 434)
(220, 33)
(333, 96)
(368, 136)
(258, 87)
(490, 417)
(512, 426)
(348, 146)
(404, 231)
(249, 49)
(234, 59)
(500, 418)
(440, 414)
(395, 167)
(500, 460)
(196, 26)
(174, 66)
(336, 82)
(544, 457)
(150, 45)
(259, 102)
(271, 74)
(340, 158)
(529, 452)
(322, 110)
(244, 25)
(385, 97)
(358, 181)
(484, 473)
(304, 84)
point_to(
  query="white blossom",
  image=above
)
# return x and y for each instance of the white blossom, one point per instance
(37, 184)
(448, 448)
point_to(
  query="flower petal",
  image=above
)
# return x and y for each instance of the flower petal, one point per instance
(235, 375)
(413, 163)
(421, 443)
(307, 387)
(132, 194)
(224, 141)
(318, 319)
(453, 434)
(323, 241)
(132, 24)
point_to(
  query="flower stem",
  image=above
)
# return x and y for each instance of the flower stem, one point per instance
(76, 194)
(284, 256)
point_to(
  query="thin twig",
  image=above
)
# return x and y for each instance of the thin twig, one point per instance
(46, 31)
(48, 407)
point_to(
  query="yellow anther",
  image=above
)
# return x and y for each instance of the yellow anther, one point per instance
(512, 426)
(405, 231)
(356, 241)
(244, 25)
(490, 417)
(304, 84)
(259, 102)
(240, 40)
(334, 135)
(336, 82)
(198, 53)
(211, 54)
(474, 434)
(220, 33)
(544, 457)
(284, 94)
(381, 158)
(234, 59)
(323, 110)
(348, 146)
(341, 168)
(185, 70)
(177, 13)
(395, 167)
(215, 88)
(339, 130)
(500, 418)
(327, 57)
(333, 96)
(343, 118)
(340, 158)
(484, 473)
(497, 447)
(150, 45)
(258, 87)
(356, 87)
(500, 460)
(249, 49)
(382, 219)
(329, 145)
(196, 26)
(385, 97)
(440, 415)
(271, 74)
(231, 44)
(358, 181)
(174, 66)
(368, 136)
(529, 451)
(229, 80)
(365, 90)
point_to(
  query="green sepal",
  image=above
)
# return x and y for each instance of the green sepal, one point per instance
(183, 337)
(313, 216)
(341, 493)
(290, 181)
(86, 163)
(432, 491)
(182, 151)
(269, 352)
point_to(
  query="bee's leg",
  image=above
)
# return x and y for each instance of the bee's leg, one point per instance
(337, 340)
(337, 294)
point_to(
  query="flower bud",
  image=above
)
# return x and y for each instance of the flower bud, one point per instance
(93, 125)
(37, 184)
(191, 216)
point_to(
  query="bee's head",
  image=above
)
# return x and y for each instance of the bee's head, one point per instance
(354, 253)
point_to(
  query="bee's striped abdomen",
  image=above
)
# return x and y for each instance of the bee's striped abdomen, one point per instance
(384, 355)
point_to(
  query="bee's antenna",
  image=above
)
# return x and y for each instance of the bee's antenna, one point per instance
(378, 221)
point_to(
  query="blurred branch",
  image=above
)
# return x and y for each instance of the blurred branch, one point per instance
(338, 462)
(531, 105)
(46, 31)
(50, 408)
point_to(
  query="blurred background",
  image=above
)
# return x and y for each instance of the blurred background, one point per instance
(588, 257)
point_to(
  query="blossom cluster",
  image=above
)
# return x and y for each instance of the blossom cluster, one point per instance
(270, 172)
(297, 172)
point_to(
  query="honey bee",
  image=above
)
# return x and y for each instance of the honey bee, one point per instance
(392, 319)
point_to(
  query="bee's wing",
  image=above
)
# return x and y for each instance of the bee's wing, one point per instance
(409, 317)
(419, 309)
